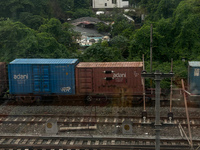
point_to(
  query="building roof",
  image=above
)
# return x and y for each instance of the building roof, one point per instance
(194, 63)
(88, 32)
(86, 20)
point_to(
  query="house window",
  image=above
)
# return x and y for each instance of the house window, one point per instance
(114, 1)
(105, 4)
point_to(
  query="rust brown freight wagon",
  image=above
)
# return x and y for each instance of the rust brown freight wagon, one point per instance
(3, 79)
(109, 80)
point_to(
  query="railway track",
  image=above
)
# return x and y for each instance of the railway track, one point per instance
(58, 142)
(94, 125)
(91, 119)
(102, 132)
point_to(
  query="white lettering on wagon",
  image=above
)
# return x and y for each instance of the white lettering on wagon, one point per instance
(65, 89)
(21, 79)
(119, 75)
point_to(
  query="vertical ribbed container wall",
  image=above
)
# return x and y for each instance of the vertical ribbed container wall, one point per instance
(42, 76)
(3, 78)
(194, 77)
(109, 78)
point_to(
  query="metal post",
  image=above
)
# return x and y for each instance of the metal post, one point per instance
(151, 46)
(143, 85)
(187, 114)
(157, 109)
(171, 87)
(157, 76)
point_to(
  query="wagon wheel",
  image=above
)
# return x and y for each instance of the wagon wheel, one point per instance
(104, 100)
(25, 99)
(88, 99)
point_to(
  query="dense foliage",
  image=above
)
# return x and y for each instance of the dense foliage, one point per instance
(35, 28)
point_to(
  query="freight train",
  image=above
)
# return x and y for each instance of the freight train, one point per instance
(33, 79)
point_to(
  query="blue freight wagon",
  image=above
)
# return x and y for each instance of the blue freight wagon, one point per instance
(32, 77)
(194, 77)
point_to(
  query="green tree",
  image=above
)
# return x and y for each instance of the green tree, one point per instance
(156, 9)
(66, 5)
(163, 49)
(48, 47)
(139, 43)
(101, 52)
(32, 21)
(82, 4)
(61, 32)
(15, 39)
(102, 27)
(164, 44)
(150, 7)
(19, 41)
(42, 8)
(165, 9)
(186, 29)
(121, 25)
(179, 70)
(13, 8)
(120, 43)
(82, 13)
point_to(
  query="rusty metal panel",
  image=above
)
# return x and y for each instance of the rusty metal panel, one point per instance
(84, 78)
(109, 78)
(3, 78)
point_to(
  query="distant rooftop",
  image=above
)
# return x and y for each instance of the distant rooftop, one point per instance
(87, 31)
(86, 19)
(194, 63)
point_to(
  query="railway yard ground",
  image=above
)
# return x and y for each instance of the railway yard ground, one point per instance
(95, 127)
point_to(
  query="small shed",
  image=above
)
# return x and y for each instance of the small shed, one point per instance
(194, 77)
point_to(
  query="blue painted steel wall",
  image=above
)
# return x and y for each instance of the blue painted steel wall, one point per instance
(42, 76)
(20, 79)
(194, 77)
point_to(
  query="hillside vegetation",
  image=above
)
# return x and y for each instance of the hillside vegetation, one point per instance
(40, 29)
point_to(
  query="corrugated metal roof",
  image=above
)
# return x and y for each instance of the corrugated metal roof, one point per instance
(194, 63)
(44, 61)
(109, 64)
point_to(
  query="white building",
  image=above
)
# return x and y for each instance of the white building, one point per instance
(110, 3)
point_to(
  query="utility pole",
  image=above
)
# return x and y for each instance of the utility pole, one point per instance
(157, 76)
(151, 46)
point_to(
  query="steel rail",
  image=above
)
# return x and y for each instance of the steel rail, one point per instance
(56, 142)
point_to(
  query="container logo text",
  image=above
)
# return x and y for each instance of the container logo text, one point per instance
(119, 75)
(21, 77)
(65, 89)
